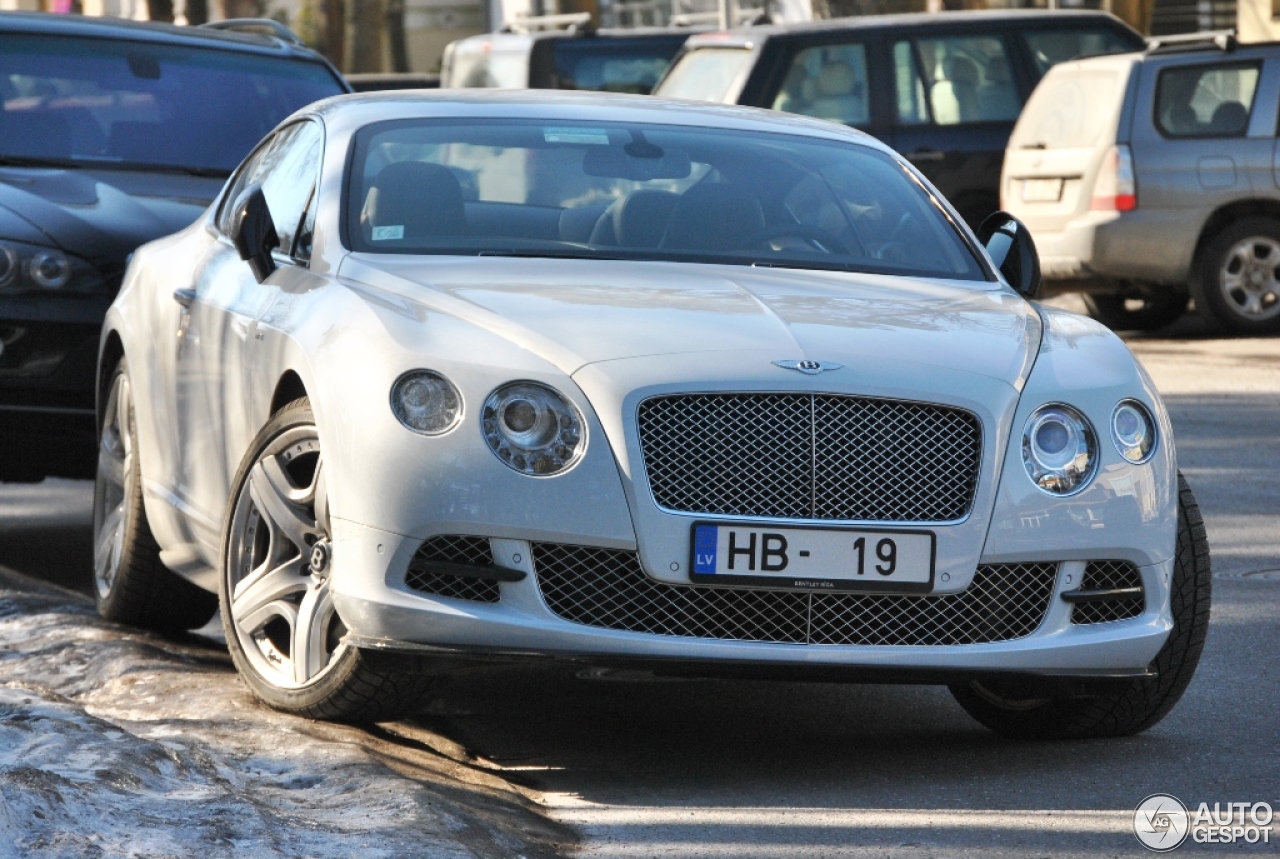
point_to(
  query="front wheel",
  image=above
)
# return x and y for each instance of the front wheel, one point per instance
(1128, 707)
(1238, 279)
(283, 632)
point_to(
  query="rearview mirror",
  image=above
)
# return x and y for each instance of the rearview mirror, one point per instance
(637, 162)
(1009, 243)
(254, 232)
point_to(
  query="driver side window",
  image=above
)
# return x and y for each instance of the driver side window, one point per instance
(287, 168)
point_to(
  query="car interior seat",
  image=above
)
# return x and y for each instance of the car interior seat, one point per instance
(997, 98)
(638, 220)
(713, 217)
(1229, 118)
(955, 91)
(839, 95)
(424, 199)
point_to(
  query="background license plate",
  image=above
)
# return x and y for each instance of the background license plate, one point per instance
(813, 558)
(1041, 190)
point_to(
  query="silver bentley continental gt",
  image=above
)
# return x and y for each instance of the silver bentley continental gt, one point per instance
(697, 390)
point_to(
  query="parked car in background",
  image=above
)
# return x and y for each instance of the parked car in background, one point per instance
(1149, 178)
(577, 57)
(112, 134)
(375, 81)
(944, 90)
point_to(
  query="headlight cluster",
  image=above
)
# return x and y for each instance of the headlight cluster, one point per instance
(30, 268)
(1060, 447)
(532, 428)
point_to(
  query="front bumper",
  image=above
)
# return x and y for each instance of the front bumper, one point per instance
(381, 611)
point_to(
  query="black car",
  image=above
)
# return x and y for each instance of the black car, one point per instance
(942, 89)
(112, 134)
(629, 60)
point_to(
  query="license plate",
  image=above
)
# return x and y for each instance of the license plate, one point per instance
(841, 559)
(1041, 190)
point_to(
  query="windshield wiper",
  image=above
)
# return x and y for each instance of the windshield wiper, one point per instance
(111, 164)
(1040, 145)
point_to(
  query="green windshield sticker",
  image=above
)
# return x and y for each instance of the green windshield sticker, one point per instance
(592, 136)
(381, 234)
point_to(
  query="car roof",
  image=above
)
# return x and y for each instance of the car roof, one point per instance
(637, 33)
(44, 24)
(912, 20)
(346, 114)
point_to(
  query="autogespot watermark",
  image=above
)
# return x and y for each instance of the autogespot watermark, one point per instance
(1162, 823)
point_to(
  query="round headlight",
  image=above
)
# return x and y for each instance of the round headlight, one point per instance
(426, 402)
(1133, 431)
(533, 429)
(9, 265)
(50, 269)
(1059, 449)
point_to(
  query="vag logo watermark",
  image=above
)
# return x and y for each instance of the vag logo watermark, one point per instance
(1162, 823)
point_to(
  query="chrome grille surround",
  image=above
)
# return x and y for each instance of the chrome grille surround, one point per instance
(810, 456)
(1109, 575)
(453, 549)
(607, 588)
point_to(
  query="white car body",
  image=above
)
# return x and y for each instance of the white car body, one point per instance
(346, 326)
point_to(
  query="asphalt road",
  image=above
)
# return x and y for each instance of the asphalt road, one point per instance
(645, 767)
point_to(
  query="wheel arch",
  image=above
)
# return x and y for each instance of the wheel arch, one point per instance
(109, 354)
(1227, 214)
(289, 387)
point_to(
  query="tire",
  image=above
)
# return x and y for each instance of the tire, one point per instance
(275, 589)
(130, 583)
(1156, 311)
(1236, 283)
(1118, 709)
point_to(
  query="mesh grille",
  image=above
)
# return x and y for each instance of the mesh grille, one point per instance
(1108, 575)
(453, 549)
(810, 456)
(607, 588)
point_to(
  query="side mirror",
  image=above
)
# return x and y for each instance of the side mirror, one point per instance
(1009, 243)
(254, 232)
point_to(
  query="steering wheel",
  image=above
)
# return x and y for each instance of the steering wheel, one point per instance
(819, 238)
(893, 248)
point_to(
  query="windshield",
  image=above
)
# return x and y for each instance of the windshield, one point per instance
(475, 64)
(705, 74)
(94, 102)
(644, 191)
(1069, 111)
(613, 65)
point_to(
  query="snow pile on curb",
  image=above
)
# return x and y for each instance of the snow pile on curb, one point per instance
(118, 743)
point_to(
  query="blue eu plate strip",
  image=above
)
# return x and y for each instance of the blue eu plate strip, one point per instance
(705, 538)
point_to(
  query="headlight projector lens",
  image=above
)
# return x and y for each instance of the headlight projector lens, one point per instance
(50, 269)
(533, 429)
(1059, 449)
(426, 402)
(1133, 430)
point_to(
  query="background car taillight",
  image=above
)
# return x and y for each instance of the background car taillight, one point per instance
(1115, 189)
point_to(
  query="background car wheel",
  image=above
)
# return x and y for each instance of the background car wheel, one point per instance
(1117, 709)
(132, 585)
(1237, 283)
(1140, 313)
(277, 605)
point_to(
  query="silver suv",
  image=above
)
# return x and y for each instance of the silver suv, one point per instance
(1150, 178)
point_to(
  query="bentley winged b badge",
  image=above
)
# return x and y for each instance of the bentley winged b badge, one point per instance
(809, 368)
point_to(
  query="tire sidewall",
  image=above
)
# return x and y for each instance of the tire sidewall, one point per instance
(1208, 293)
(306, 698)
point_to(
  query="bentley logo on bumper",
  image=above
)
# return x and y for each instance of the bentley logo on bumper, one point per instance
(809, 368)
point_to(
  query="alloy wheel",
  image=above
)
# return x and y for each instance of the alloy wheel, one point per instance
(278, 564)
(114, 486)
(1248, 280)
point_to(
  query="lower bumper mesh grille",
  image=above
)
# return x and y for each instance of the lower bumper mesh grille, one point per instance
(453, 549)
(607, 588)
(1105, 576)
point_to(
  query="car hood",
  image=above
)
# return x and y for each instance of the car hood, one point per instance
(577, 313)
(99, 215)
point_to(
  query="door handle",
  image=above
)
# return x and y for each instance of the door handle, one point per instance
(185, 297)
(926, 155)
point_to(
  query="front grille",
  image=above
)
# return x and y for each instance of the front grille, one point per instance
(810, 456)
(453, 549)
(1105, 576)
(607, 588)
